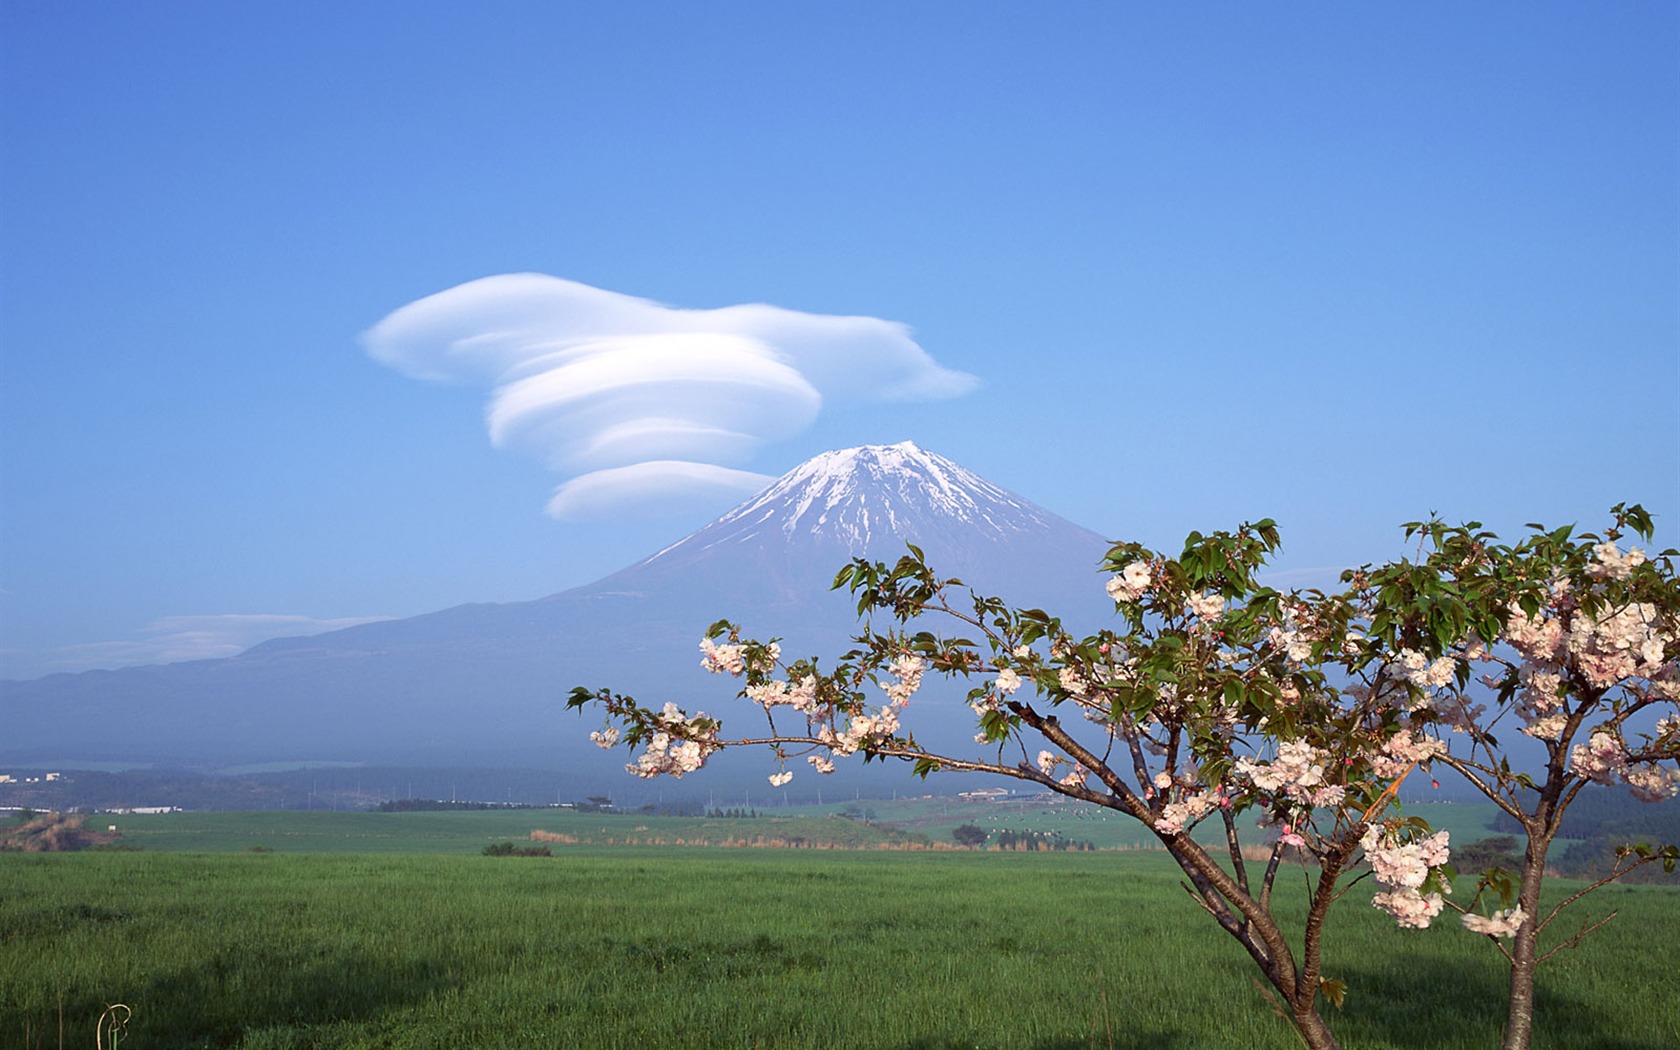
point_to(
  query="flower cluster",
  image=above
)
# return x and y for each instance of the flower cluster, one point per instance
(1604, 757)
(1409, 665)
(1187, 811)
(1287, 638)
(1599, 759)
(1402, 751)
(1130, 583)
(1650, 782)
(1072, 681)
(1503, 923)
(800, 695)
(732, 659)
(1538, 638)
(907, 669)
(1619, 645)
(680, 745)
(1404, 867)
(861, 730)
(1205, 607)
(1297, 773)
(1609, 563)
(1048, 762)
(722, 659)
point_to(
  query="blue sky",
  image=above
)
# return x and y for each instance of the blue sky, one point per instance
(1338, 266)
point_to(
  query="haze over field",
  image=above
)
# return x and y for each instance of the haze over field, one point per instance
(483, 683)
(313, 321)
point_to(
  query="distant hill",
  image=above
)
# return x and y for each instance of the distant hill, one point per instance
(1600, 820)
(483, 684)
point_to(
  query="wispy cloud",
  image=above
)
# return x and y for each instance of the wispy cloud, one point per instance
(646, 405)
(174, 639)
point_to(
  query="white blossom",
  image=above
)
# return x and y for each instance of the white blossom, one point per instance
(1130, 583)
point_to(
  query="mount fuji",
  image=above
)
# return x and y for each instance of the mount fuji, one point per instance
(483, 684)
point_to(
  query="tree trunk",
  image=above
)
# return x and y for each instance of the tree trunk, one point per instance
(1519, 1019)
(1315, 1031)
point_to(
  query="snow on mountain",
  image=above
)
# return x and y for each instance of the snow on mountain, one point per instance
(854, 495)
(869, 502)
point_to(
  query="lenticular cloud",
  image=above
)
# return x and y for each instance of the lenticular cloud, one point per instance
(645, 404)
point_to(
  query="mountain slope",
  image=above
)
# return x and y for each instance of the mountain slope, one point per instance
(483, 683)
(788, 541)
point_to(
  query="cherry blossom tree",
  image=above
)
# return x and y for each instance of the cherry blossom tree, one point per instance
(1580, 641)
(1286, 720)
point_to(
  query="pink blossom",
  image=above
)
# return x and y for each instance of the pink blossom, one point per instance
(1403, 750)
(1550, 727)
(1599, 758)
(1500, 924)
(1296, 772)
(1617, 645)
(1411, 910)
(1409, 665)
(1405, 867)
(1539, 640)
(1609, 563)
(1650, 782)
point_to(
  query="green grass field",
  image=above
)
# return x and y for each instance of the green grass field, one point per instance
(889, 822)
(359, 932)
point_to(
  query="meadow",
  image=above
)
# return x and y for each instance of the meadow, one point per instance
(339, 930)
(860, 824)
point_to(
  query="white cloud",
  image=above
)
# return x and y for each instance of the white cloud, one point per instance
(644, 489)
(645, 404)
(174, 639)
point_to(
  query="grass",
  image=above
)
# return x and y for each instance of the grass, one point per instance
(674, 947)
(455, 832)
(890, 821)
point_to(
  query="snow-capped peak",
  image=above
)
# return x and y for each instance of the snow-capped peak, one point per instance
(869, 497)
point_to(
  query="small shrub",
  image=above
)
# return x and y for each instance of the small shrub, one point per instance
(508, 849)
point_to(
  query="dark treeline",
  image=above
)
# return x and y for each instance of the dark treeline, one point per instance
(1600, 821)
(1034, 841)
